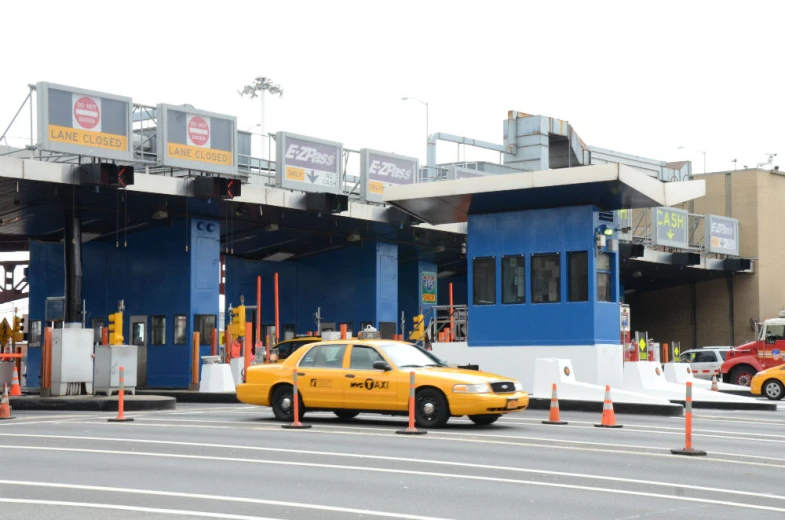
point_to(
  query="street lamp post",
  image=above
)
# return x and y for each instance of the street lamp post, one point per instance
(427, 117)
(701, 151)
(258, 88)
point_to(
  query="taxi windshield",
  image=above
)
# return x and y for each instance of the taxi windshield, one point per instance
(405, 356)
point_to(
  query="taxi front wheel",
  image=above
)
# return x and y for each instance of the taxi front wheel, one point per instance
(431, 410)
(484, 420)
(773, 390)
(283, 404)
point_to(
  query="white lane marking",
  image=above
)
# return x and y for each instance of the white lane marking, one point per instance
(406, 459)
(46, 419)
(220, 498)
(138, 509)
(431, 474)
(656, 451)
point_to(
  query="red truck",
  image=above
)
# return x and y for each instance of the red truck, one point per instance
(766, 351)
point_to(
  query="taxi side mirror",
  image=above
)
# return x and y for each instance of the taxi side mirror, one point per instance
(381, 365)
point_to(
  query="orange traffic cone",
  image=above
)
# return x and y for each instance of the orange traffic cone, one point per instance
(608, 417)
(5, 405)
(714, 387)
(555, 417)
(16, 390)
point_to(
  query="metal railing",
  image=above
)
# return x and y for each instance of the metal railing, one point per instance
(443, 319)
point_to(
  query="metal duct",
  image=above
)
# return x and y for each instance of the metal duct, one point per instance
(73, 268)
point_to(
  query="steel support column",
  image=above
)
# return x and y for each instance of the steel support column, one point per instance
(73, 267)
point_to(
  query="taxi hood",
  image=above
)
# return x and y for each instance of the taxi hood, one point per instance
(462, 375)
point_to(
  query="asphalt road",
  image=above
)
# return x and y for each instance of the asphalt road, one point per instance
(236, 462)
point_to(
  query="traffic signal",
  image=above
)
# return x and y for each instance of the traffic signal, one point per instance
(107, 174)
(18, 334)
(238, 321)
(116, 328)
(419, 328)
(229, 188)
(326, 202)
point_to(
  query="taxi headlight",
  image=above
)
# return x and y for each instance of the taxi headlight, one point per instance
(519, 387)
(481, 388)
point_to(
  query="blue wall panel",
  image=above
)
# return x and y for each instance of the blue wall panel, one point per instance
(153, 275)
(459, 290)
(408, 293)
(560, 230)
(386, 303)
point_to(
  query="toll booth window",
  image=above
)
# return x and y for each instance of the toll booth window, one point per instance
(484, 281)
(578, 276)
(204, 325)
(604, 279)
(546, 278)
(158, 330)
(324, 356)
(179, 329)
(513, 280)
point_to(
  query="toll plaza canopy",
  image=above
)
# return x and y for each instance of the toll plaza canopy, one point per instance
(606, 186)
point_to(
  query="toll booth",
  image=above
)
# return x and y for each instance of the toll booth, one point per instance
(543, 262)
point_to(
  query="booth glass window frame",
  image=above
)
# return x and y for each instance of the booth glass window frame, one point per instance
(546, 279)
(484, 280)
(604, 277)
(578, 276)
(513, 279)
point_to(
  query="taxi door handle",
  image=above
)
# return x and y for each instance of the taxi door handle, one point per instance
(300, 373)
(350, 376)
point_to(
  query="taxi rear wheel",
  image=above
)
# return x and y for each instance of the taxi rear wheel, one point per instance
(773, 390)
(484, 420)
(431, 410)
(283, 404)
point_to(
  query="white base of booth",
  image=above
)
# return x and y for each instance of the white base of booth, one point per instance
(216, 377)
(596, 366)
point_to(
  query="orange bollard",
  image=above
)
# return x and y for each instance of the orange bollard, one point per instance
(277, 310)
(195, 362)
(412, 429)
(214, 343)
(608, 417)
(343, 331)
(688, 449)
(104, 335)
(46, 366)
(555, 415)
(5, 405)
(247, 353)
(16, 390)
(121, 400)
(228, 347)
(296, 424)
(452, 318)
(259, 319)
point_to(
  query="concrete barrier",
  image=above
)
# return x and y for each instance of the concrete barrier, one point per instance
(216, 377)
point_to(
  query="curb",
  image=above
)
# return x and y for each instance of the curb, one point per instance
(93, 404)
(670, 410)
(187, 396)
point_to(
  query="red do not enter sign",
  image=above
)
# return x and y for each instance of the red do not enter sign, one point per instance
(87, 113)
(198, 131)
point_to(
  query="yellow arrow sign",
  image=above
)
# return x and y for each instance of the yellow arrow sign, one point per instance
(670, 234)
(642, 344)
(676, 351)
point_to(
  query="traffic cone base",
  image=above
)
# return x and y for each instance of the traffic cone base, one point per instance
(296, 426)
(411, 431)
(714, 386)
(121, 419)
(690, 452)
(16, 390)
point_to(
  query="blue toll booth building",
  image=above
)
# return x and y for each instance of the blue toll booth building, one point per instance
(543, 263)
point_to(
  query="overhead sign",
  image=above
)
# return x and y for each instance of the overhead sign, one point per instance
(380, 169)
(84, 122)
(196, 140)
(308, 164)
(670, 227)
(428, 288)
(723, 235)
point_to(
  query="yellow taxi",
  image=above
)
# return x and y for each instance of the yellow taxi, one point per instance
(351, 376)
(284, 349)
(770, 382)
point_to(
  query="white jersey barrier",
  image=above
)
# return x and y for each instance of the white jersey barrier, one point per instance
(216, 376)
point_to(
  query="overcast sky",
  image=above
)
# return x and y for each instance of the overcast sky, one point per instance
(637, 77)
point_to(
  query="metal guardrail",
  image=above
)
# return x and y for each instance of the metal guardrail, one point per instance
(440, 318)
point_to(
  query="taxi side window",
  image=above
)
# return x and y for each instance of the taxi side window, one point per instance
(324, 356)
(363, 358)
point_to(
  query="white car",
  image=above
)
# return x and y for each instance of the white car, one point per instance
(705, 362)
